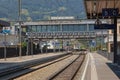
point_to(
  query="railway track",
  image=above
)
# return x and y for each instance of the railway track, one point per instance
(17, 71)
(54, 71)
(47, 71)
(70, 71)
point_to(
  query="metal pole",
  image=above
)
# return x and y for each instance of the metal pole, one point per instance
(27, 46)
(62, 45)
(102, 40)
(46, 46)
(31, 47)
(59, 45)
(54, 45)
(5, 47)
(87, 35)
(108, 43)
(41, 46)
(61, 39)
(115, 40)
(19, 16)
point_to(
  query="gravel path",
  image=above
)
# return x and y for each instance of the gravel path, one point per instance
(46, 72)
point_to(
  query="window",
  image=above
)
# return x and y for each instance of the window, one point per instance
(65, 28)
(91, 27)
(76, 28)
(49, 28)
(29, 28)
(39, 29)
(43, 28)
(71, 27)
(34, 28)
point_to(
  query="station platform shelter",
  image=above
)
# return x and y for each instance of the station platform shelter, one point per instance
(96, 9)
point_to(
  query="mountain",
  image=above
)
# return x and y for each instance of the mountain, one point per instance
(41, 9)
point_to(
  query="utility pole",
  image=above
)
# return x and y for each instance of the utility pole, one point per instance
(19, 17)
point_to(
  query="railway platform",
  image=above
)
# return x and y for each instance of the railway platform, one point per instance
(100, 68)
(23, 60)
(95, 66)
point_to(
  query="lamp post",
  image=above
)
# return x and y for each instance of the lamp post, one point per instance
(5, 51)
(19, 17)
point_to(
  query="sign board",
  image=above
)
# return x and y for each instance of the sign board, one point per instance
(6, 31)
(104, 26)
(93, 43)
(110, 12)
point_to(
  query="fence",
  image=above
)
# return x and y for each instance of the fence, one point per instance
(109, 56)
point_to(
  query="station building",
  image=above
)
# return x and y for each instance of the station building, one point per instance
(109, 40)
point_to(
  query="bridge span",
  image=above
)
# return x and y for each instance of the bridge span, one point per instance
(61, 29)
(61, 22)
(65, 35)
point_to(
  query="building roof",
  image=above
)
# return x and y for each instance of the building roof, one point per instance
(57, 22)
(4, 23)
(94, 7)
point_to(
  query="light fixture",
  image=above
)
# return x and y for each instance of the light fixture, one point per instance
(94, 8)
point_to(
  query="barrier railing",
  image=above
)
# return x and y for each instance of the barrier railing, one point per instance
(106, 54)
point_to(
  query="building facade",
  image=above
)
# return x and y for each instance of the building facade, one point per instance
(110, 42)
